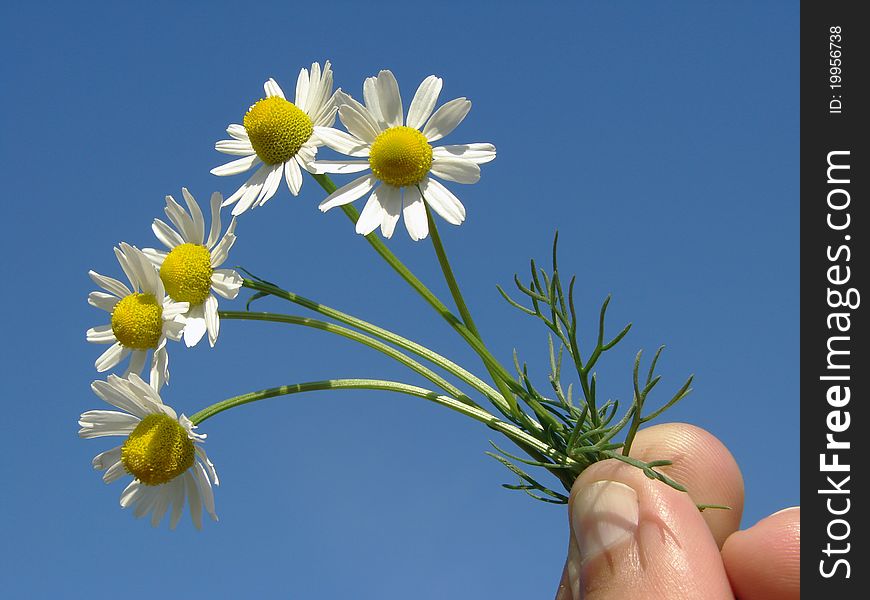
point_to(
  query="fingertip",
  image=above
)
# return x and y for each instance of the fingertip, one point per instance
(703, 464)
(763, 562)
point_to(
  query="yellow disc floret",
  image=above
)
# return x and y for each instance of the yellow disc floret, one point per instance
(137, 321)
(158, 450)
(400, 156)
(277, 129)
(186, 272)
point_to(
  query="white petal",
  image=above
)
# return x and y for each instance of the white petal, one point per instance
(238, 132)
(235, 147)
(272, 88)
(126, 266)
(110, 285)
(237, 166)
(193, 498)
(372, 100)
(391, 200)
(226, 282)
(102, 334)
(315, 90)
(103, 301)
(359, 123)
(172, 309)
(271, 185)
(111, 357)
(446, 119)
(183, 222)
(220, 252)
(147, 275)
(249, 191)
(194, 327)
(321, 107)
(343, 100)
(293, 176)
(137, 362)
(325, 117)
(302, 84)
(340, 166)
(390, 99)
(131, 493)
(371, 216)
(212, 322)
(443, 201)
(477, 153)
(156, 257)
(206, 463)
(159, 373)
(348, 193)
(196, 215)
(117, 392)
(105, 460)
(205, 489)
(215, 230)
(415, 214)
(173, 330)
(456, 169)
(342, 142)
(167, 236)
(101, 423)
(424, 101)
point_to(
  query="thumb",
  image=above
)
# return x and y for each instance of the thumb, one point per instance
(634, 537)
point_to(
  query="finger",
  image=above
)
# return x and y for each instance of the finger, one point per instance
(763, 562)
(638, 538)
(703, 465)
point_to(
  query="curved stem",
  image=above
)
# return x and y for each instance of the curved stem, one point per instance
(478, 414)
(357, 337)
(384, 334)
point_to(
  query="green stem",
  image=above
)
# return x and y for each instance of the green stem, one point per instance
(384, 334)
(453, 285)
(476, 413)
(357, 337)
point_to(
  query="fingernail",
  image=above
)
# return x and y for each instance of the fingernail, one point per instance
(603, 514)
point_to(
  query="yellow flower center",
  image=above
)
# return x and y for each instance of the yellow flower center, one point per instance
(158, 450)
(400, 156)
(277, 129)
(186, 272)
(137, 321)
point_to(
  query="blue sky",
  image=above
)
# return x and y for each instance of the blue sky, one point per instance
(662, 142)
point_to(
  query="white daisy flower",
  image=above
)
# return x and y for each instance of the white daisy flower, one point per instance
(161, 452)
(189, 270)
(399, 153)
(278, 134)
(142, 318)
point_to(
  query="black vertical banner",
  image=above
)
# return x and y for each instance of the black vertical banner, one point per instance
(835, 373)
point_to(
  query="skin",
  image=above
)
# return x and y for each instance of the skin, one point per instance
(677, 552)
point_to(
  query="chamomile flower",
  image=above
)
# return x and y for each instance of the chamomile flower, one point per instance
(399, 153)
(161, 451)
(279, 136)
(189, 270)
(142, 318)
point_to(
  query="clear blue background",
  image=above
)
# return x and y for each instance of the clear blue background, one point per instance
(662, 141)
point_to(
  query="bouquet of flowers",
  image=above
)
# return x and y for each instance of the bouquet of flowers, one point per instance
(557, 428)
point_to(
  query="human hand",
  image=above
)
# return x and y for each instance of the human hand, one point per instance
(636, 538)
